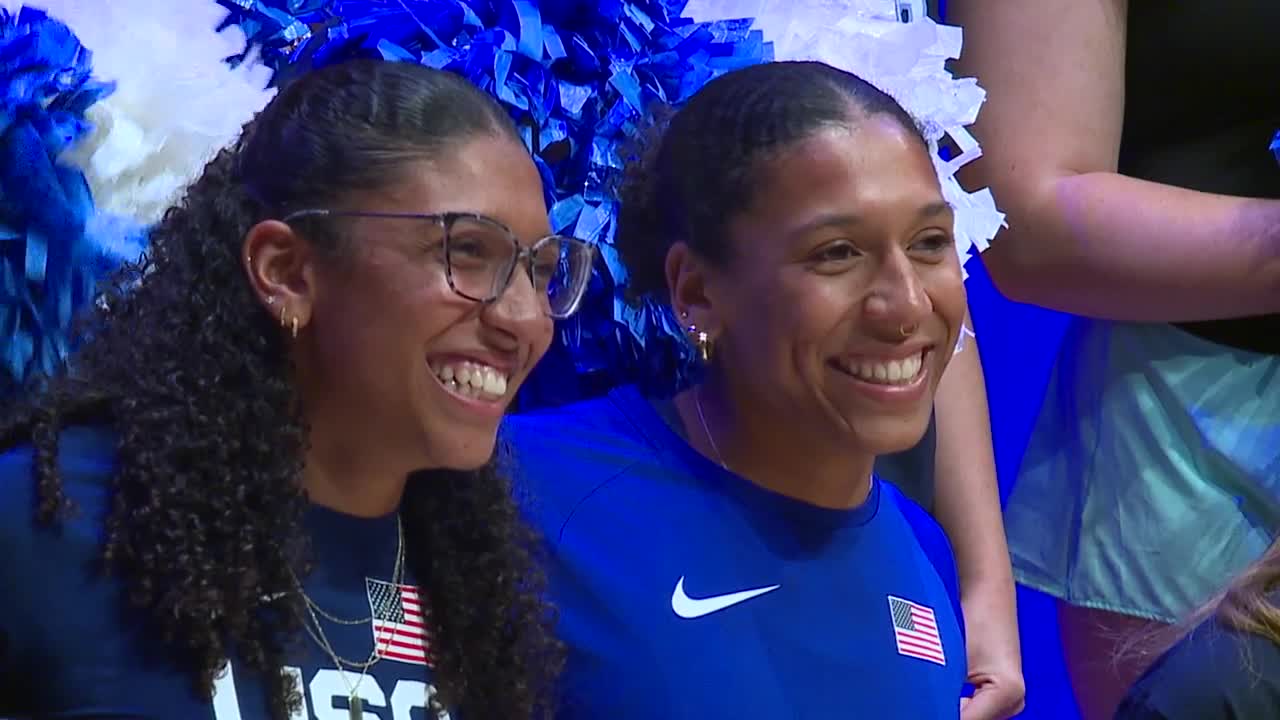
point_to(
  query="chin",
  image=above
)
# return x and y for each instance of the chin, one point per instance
(462, 453)
(893, 437)
(467, 462)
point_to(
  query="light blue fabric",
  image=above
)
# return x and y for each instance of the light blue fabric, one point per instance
(1153, 472)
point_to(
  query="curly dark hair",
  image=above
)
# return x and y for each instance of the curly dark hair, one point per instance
(195, 378)
(698, 167)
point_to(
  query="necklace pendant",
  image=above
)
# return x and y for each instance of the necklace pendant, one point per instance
(357, 707)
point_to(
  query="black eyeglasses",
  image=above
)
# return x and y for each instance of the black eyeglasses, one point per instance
(481, 255)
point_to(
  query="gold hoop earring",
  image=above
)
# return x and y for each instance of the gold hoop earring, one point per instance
(292, 324)
(702, 341)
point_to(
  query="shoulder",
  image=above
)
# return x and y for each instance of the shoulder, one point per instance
(1214, 672)
(45, 566)
(933, 542)
(923, 526)
(591, 426)
(921, 522)
(561, 456)
(86, 461)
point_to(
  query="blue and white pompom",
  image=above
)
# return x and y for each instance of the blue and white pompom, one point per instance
(177, 100)
(905, 60)
(47, 270)
(88, 165)
(576, 77)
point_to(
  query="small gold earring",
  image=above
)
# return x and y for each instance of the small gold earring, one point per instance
(282, 312)
(702, 341)
(294, 326)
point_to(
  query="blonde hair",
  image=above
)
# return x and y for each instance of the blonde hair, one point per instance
(1246, 605)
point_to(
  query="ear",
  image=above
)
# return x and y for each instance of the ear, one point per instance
(689, 281)
(280, 265)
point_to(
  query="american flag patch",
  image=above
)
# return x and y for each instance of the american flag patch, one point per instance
(399, 622)
(915, 629)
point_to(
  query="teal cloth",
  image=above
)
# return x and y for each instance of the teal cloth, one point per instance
(1153, 473)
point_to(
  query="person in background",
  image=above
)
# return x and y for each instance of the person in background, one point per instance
(1228, 666)
(728, 552)
(1128, 143)
(268, 487)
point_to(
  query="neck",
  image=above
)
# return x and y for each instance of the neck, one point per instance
(757, 446)
(342, 474)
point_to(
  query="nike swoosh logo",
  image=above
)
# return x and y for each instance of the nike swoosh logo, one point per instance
(689, 608)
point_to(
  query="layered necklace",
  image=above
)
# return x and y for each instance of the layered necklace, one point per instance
(316, 631)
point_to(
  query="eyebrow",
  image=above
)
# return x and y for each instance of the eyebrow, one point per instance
(926, 212)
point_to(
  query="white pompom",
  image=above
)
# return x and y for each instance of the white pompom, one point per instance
(177, 102)
(905, 60)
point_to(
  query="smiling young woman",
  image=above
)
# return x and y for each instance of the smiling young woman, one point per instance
(728, 552)
(278, 440)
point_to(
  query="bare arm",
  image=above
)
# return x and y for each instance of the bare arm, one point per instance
(1083, 238)
(968, 507)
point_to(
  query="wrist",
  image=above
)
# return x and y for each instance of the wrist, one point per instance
(1265, 224)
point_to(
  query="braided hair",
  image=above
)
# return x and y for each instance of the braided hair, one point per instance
(700, 166)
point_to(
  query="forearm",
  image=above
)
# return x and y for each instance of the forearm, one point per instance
(968, 507)
(1105, 245)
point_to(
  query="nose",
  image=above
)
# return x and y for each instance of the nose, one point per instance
(898, 299)
(518, 312)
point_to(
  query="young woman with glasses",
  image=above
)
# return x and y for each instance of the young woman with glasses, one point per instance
(268, 487)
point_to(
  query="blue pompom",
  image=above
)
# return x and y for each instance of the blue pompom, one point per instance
(276, 29)
(47, 269)
(576, 75)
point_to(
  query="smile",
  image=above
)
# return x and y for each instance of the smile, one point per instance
(899, 371)
(471, 380)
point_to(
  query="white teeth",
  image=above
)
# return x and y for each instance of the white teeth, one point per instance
(472, 380)
(494, 384)
(893, 372)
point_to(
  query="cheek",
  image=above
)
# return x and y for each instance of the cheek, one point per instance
(787, 326)
(431, 312)
(542, 333)
(393, 317)
(949, 299)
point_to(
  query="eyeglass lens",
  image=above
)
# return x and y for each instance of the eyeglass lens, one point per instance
(482, 257)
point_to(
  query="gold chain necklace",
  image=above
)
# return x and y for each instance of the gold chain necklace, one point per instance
(355, 704)
(697, 403)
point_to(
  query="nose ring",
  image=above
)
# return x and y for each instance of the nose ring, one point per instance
(906, 330)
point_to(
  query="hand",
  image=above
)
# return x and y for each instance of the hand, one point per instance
(998, 695)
